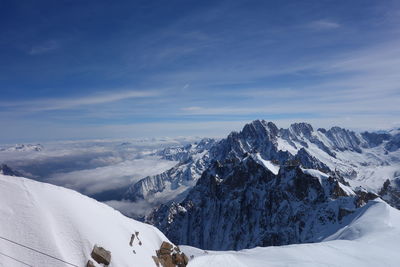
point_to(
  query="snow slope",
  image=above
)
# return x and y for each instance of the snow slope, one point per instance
(66, 224)
(372, 238)
(267, 164)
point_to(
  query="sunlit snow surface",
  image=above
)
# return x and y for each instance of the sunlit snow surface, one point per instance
(66, 224)
(371, 239)
(267, 164)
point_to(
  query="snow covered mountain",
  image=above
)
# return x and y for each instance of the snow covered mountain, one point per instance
(46, 225)
(370, 239)
(365, 159)
(240, 204)
(173, 184)
(268, 186)
(262, 186)
(23, 148)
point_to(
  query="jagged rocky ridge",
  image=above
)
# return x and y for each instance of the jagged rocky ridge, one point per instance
(240, 204)
(360, 157)
(193, 160)
(269, 186)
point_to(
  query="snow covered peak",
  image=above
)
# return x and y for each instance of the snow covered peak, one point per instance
(23, 148)
(242, 203)
(260, 129)
(360, 158)
(301, 129)
(343, 139)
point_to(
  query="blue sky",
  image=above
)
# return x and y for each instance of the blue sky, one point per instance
(113, 69)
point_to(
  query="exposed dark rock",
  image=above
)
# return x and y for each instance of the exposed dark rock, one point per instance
(338, 191)
(390, 192)
(363, 197)
(166, 246)
(307, 161)
(101, 255)
(344, 139)
(242, 205)
(375, 139)
(343, 212)
(170, 256)
(393, 144)
(6, 170)
(156, 261)
(90, 264)
(132, 239)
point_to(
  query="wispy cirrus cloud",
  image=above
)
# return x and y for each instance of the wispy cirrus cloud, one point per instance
(207, 68)
(65, 103)
(43, 48)
(319, 25)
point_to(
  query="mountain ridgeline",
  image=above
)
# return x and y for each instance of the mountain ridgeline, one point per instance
(268, 186)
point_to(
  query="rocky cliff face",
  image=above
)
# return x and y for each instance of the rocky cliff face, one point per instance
(193, 160)
(240, 204)
(355, 156)
(268, 186)
(390, 192)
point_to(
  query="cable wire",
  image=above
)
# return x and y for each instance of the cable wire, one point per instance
(38, 251)
(1, 253)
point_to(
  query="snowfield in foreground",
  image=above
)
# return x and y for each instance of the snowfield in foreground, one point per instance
(67, 225)
(371, 239)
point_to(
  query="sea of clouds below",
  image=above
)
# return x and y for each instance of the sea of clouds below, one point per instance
(93, 167)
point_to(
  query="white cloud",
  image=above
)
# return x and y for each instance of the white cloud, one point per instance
(44, 48)
(49, 104)
(114, 176)
(92, 166)
(323, 25)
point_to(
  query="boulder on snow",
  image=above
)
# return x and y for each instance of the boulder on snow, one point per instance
(170, 256)
(101, 255)
(90, 264)
(156, 261)
(166, 245)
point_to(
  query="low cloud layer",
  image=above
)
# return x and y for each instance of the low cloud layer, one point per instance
(114, 176)
(92, 167)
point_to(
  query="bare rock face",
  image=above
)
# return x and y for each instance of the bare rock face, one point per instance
(243, 205)
(90, 264)
(364, 196)
(170, 256)
(390, 192)
(101, 255)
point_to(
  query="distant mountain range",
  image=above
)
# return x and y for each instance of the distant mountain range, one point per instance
(325, 192)
(22, 148)
(270, 186)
